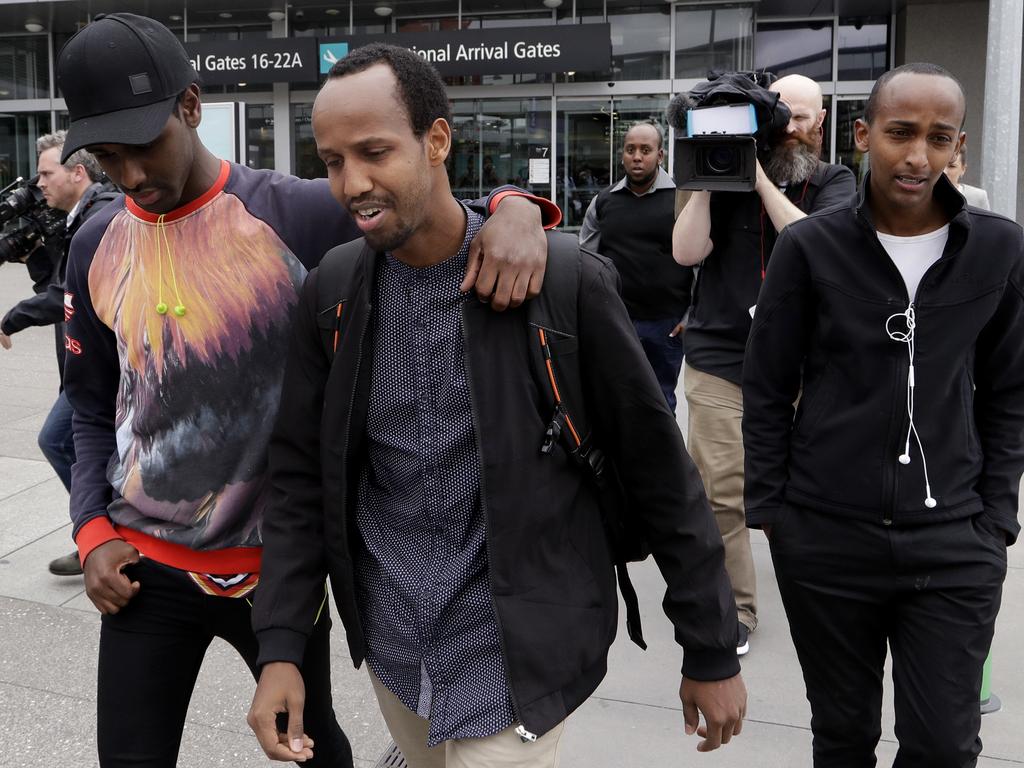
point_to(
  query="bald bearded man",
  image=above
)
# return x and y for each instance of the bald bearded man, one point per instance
(730, 236)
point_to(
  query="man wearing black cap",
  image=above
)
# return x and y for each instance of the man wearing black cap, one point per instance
(179, 300)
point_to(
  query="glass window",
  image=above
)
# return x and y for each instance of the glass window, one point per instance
(863, 49)
(306, 164)
(366, 20)
(444, 24)
(494, 142)
(18, 134)
(847, 112)
(826, 129)
(24, 69)
(795, 48)
(713, 38)
(587, 12)
(640, 46)
(259, 135)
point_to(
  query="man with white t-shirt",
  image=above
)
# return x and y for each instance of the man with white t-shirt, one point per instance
(891, 497)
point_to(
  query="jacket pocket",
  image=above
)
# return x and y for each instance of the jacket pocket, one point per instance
(971, 437)
(329, 323)
(814, 403)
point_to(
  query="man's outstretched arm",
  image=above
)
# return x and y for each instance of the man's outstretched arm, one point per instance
(508, 257)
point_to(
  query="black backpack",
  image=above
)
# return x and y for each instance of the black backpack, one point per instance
(553, 314)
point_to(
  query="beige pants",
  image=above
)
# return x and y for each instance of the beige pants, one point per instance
(502, 750)
(715, 442)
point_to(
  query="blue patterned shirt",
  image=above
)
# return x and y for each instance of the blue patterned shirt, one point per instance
(422, 569)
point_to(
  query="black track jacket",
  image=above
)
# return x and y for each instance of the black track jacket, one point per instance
(550, 570)
(829, 291)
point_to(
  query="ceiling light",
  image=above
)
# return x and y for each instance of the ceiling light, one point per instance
(34, 26)
(552, 3)
(276, 15)
(224, 15)
(383, 10)
(175, 17)
(332, 11)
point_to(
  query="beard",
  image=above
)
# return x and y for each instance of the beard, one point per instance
(792, 163)
(390, 241)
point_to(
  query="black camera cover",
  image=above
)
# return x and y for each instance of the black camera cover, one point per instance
(736, 88)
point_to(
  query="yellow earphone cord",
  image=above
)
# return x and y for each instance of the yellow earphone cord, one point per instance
(161, 307)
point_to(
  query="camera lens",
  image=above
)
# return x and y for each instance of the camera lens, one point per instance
(721, 160)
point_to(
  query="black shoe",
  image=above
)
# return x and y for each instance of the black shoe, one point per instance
(743, 639)
(69, 565)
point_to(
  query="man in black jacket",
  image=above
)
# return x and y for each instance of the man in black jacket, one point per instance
(730, 236)
(890, 500)
(74, 187)
(470, 568)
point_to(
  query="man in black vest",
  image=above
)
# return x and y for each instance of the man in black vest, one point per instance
(730, 235)
(630, 222)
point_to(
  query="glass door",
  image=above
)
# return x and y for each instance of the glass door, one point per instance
(584, 155)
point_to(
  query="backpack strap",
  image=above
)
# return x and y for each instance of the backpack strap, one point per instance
(553, 322)
(335, 278)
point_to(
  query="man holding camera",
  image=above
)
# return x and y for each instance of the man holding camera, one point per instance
(730, 235)
(73, 187)
(630, 223)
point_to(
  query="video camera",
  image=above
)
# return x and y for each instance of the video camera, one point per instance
(26, 219)
(726, 120)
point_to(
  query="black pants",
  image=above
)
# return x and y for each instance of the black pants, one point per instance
(931, 592)
(150, 654)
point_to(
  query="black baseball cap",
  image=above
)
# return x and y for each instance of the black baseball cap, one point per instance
(121, 76)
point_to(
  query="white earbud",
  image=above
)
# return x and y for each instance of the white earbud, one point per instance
(906, 336)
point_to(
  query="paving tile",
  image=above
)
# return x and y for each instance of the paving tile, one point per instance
(21, 444)
(17, 475)
(23, 573)
(33, 421)
(32, 514)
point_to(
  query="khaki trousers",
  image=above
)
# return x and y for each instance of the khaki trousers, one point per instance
(715, 442)
(502, 750)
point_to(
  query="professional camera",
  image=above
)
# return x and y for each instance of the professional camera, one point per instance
(26, 219)
(727, 120)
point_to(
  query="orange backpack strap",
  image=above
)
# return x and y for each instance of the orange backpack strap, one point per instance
(553, 325)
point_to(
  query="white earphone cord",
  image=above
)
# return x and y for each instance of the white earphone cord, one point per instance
(907, 337)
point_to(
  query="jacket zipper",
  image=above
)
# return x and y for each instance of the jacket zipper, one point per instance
(891, 477)
(521, 731)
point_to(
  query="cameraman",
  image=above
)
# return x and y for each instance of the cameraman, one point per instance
(730, 235)
(72, 187)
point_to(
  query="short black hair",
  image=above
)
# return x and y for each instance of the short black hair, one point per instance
(649, 124)
(914, 68)
(420, 87)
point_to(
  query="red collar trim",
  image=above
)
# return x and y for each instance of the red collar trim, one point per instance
(185, 210)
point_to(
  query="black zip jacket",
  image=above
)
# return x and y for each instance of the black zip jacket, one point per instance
(823, 308)
(550, 570)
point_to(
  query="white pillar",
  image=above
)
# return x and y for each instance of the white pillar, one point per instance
(283, 127)
(1000, 135)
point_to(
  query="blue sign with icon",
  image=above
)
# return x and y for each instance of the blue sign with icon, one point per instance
(330, 53)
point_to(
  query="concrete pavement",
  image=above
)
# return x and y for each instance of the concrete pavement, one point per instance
(49, 630)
